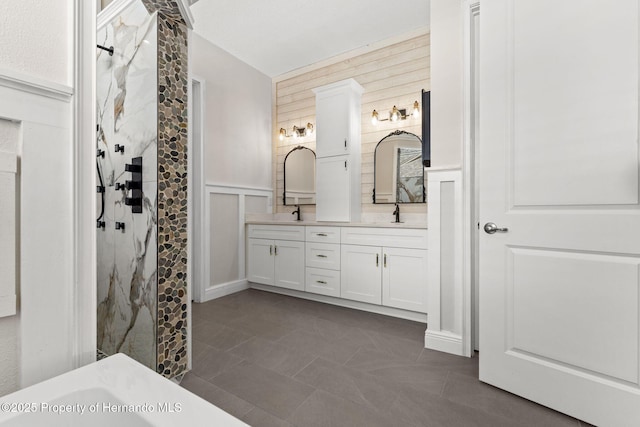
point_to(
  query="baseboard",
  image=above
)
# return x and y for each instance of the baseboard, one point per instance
(378, 309)
(225, 289)
(446, 342)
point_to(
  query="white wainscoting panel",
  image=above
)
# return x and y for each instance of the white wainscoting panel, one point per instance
(224, 216)
(8, 169)
(448, 302)
(46, 211)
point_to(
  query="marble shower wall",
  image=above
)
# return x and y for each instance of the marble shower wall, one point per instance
(142, 272)
(127, 116)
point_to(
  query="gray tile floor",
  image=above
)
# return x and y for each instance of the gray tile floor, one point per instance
(273, 360)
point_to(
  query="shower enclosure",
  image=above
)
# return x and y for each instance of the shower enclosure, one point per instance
(142, 193)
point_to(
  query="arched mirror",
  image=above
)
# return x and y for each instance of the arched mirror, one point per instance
(300, 177)
(398, 169)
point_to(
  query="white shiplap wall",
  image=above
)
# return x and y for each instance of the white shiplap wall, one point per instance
(391, 75)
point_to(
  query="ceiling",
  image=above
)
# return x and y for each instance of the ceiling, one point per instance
(278, 36)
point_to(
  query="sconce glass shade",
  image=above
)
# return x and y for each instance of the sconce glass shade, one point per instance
(308, 130)
(395, 114)
(374, 118)
(416, 110)
(283, 133)
(295, 132)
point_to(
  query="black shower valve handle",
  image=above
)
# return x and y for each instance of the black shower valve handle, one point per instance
(101, 224)
(119, 148)
(100, 153)
(133, 185)
(120, 226)
(132, 168)
(120, 186)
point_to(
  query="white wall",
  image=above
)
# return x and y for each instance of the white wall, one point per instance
(237, 159)
(36, 46)
(36, 38)
(237, 132)
(447, 96)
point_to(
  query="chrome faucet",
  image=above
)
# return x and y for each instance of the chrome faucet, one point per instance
(297, 211)
(397, 213)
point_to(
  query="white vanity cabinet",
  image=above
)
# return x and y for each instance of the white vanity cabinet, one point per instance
(338, 115)
(385, 266)
(379, 266)
(276, 256)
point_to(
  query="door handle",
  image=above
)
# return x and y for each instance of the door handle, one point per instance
(321, 256)
(385, 261)
(275, 249)
(322, 282)
(377, 260)
(321, 234)
(491, 228)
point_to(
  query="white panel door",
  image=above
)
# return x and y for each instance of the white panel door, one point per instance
(261, 267)
(333, 188)
(332, 124)
(404, 278)
(559, 297)
(360, 275)
(289, 264)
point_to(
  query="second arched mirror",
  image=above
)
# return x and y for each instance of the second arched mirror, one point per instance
(398, 169)
(300, 177)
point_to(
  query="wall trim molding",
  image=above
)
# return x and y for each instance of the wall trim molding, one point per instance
(224, 289)
(27, 83)
(444, 341)
(110, 12)
(84, 301)
(185, 11)
(460, 306)
(371, 308)
(200, 294)
(237, 189)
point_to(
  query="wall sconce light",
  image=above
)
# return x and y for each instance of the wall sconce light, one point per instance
(396, 114)
(297, 132)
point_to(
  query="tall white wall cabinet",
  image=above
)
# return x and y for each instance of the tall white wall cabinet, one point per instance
(338, 113)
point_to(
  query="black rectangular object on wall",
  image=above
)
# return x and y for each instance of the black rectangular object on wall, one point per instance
(426, 129)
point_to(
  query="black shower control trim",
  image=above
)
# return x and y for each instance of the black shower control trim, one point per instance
(120, 186)
(101, 224)
(100, 153)
(133, 185)
(120, 226)
(100, 189)
(119, 148)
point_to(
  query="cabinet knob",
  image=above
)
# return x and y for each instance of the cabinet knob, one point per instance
(321, 256)
(322, 282)
(385, 261)
(377, 260)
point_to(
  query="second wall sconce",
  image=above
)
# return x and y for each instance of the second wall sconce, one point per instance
(297, 132)
(395, 114)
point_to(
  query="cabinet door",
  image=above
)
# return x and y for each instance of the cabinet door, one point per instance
(404, 279)
(333, 189)
(261, 261)
(289, 264)
(332, 124)
(361, 273)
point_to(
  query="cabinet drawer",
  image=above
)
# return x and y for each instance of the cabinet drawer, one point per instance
(395, 238)
(276, 232)
(323, 255)
(323, 234)
(322, 281)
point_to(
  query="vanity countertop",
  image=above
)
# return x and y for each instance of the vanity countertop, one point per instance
(411, 225)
